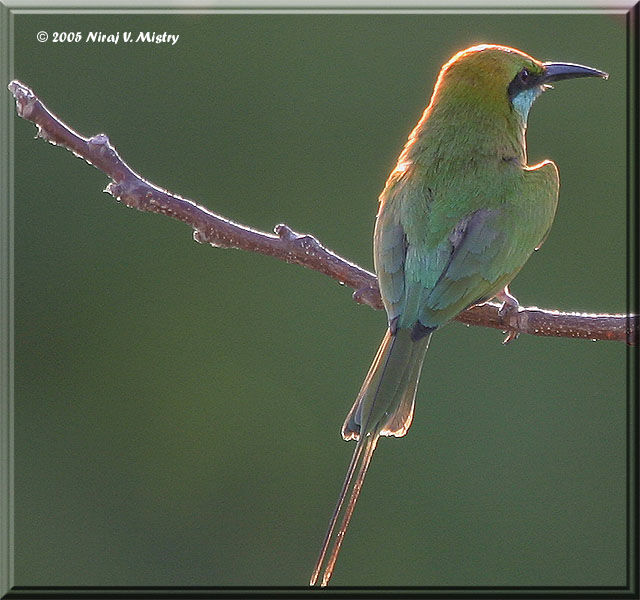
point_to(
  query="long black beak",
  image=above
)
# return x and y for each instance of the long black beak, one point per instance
(556, 71)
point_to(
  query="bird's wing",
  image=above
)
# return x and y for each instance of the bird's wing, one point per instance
(480, 259)
(390, 257)
(442, 280)
(421, 263)
(544, 178)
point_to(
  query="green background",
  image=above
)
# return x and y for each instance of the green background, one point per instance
(177, 407)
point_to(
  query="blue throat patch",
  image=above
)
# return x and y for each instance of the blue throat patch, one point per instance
(523, 101)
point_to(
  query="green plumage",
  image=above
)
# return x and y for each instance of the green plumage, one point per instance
(442, 244)
(458, 218)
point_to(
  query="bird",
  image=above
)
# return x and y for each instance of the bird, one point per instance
(457, 219)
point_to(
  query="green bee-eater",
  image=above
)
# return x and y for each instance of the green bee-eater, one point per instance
(459, 216)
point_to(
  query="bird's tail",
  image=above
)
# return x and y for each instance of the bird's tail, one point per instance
(351, 489)
(384, 406)
(387, 396)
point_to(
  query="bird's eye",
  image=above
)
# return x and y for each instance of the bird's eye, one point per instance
(523, 80)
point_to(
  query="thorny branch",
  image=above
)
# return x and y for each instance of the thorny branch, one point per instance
(134, 191)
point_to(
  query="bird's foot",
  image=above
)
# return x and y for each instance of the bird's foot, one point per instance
(509, 313)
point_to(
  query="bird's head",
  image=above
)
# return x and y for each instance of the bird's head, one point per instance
(504, 78)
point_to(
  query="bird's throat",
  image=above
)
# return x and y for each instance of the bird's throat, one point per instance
(523, 101)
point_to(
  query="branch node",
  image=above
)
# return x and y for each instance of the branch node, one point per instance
(116, 190)
(369, 296)
(25, 99)
(128, 194)
(308, 242)
(100, 139)
(284, 232)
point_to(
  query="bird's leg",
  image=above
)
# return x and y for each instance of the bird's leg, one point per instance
(508, 309)
(510, 303)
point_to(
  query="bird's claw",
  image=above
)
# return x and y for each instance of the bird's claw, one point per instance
(508, 312)
(511, 335)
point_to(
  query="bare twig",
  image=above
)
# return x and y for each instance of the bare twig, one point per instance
(134, 191)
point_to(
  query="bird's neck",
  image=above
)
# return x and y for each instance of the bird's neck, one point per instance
(466, 131)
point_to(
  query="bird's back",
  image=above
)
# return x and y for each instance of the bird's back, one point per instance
(452, 231)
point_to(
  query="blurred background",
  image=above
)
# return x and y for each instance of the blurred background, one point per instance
(178, 407)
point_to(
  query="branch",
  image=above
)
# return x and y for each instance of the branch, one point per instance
(134, 191)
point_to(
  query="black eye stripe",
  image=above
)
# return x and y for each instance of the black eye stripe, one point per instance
(523, 80)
